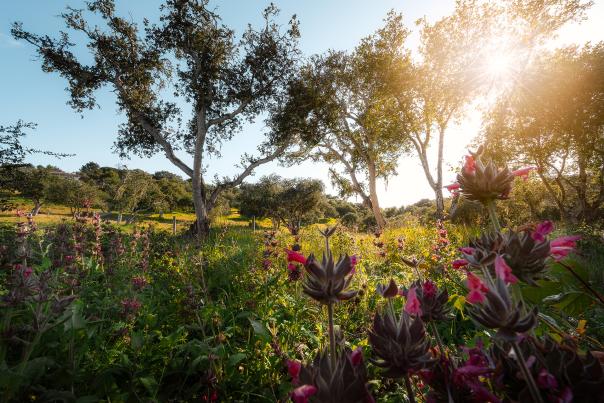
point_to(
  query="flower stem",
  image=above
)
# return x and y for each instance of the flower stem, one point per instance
(409, 389)
(332, 335)
(490, 205)
(585, 283)
(530, 381)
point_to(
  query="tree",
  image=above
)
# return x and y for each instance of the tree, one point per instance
(223, 81)
(137, 191)
(343, 110)
(456, 66)
(73, 193)
(290, 202)
(555, 120)
(13, 153)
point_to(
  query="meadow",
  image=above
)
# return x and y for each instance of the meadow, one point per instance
(93, 311)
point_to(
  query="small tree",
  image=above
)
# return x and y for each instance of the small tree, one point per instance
(225, 82)
(290, 202)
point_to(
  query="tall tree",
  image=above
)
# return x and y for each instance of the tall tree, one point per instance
(223, 80)
(463, 55)
(555, 120)
(343, 110)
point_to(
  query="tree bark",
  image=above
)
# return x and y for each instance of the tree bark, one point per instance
(37, 207)
(375, 205)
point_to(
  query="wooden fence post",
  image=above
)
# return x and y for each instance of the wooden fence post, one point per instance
(173, 225)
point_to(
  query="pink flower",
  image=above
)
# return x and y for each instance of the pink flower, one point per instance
(412, 306)
(293, 368)
(459, 263)
(25, 271)
(563, 246)
(354, 260)
(139, 282)
(293, 256)
(477, 289)
(467, 250)
(452, 187)
(356, 357)
(292, 267)
(542, 230)
(504, 271)
(523, 172)
(475, 297)
(470, 165)
(302, 393)
(545, 380)
(429, 289)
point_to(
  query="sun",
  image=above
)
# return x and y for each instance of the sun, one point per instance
(499, 66)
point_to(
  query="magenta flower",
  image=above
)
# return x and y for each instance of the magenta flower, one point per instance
(302, 393)
(429, 289)
(356, 357)
(459, 263)
(504, 271)
(354, 260)
(25, 271)
(561, 247)
(293, 256)
(292, 266)
(477, 289)
(545, 380)
(293, 368)
(467, 250)
(470, 165)
(452, 187)
(523, 172)
(139, 282)
(412, 306)
(542, 230)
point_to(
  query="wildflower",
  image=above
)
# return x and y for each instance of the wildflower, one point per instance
(484, 183)
(429, 289)
(354, 260)
(477, 289)
(504, 271)
(400, 344)
(130, 306)
(356, 357)
(413, 306)
(293, 368)
(302, 393)
(452, 187)
(139, 282)
(293, 256)
(470, 165)
(467, 250)
(459, 263)
(266, 263)
(327, 282)
(389, 291)
(542, 230)
(523, 172)
(498, 311)
(341, 380)
(561, 247)
(545, 380)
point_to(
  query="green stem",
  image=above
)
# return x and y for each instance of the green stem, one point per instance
(332, 335)
(491, 207)
(530, 381)
(410, 393)
(585, 283)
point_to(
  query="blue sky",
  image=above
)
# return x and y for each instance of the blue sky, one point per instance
(31, 95)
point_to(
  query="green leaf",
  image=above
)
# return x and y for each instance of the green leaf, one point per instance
(574, 303)
(149, 383)
(260, 330)
(236, 359)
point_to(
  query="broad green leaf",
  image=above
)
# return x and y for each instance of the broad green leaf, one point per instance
(260, 330)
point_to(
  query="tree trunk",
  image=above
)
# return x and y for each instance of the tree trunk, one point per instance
(202, 219)
(438, 189)
(375, 205)
(37, 207)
